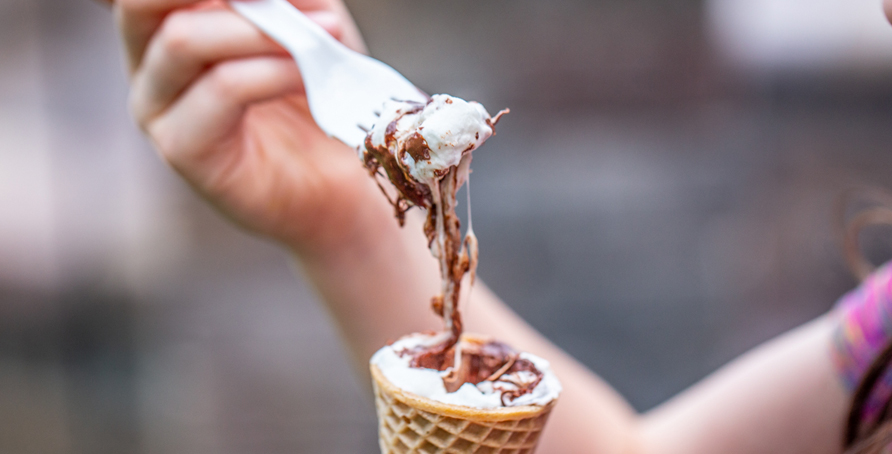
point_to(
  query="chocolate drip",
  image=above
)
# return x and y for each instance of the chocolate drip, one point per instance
(480, 361)
(409, 191)
(456, 255)
(417, 147)
(492, 122)
(455, 260)
(454, 263)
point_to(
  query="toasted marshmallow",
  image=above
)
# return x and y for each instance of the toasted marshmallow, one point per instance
(429, 139)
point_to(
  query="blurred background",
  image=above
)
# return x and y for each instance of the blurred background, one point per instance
(659, 201)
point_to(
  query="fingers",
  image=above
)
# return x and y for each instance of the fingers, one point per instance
(188, 43)
(329, 21)
(140, 19)
(213, 108)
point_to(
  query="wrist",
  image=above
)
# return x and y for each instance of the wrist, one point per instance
(376, 285)
(366, 230)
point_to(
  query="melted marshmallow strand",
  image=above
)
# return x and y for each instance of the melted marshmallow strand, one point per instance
(425, 150)
(394, 365)
(451, 127)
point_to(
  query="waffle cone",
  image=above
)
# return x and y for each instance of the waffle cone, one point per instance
(409, 423)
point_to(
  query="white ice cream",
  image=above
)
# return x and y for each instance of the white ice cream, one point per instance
(452, 127)
(429, 382)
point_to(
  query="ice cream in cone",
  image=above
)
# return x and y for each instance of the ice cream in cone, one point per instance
(409, 423)
(448, 392)
(499, 414)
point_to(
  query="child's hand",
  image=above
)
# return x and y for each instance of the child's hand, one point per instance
(224, 105)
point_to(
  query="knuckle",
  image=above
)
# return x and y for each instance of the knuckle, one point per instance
(153, 127)
(176, 35)
(137, 110)
(337, 30)
(164, 142)
(224, 80)
(140, 106)
(128, 7)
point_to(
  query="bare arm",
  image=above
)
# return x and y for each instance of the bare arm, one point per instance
(225, 108)
(380, 291)
(781, 397)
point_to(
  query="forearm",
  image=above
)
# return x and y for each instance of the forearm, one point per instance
(379, 290)
(591, 417)
(378, 285)
(784, 396)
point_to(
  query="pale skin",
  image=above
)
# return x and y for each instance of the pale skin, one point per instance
(224, 107)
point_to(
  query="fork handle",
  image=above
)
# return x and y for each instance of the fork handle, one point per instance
(277, 18)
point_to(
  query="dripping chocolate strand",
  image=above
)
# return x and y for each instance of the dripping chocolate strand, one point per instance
(495, 376)
(475, 361)
(434, 188)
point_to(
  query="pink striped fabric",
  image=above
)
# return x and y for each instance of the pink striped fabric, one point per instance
(865, 328)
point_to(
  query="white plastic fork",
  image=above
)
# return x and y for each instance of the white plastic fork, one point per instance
(345, 89)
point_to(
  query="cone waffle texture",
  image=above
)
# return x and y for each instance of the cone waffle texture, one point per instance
(408, 423)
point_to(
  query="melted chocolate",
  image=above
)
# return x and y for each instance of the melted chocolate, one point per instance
(417, 147)
(480, 361)
(409, 192)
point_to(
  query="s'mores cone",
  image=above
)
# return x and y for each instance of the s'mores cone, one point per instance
(448, 393)
(410, 423)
